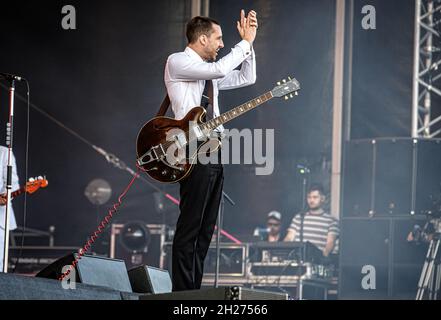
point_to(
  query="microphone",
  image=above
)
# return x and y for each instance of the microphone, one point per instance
(9, 76)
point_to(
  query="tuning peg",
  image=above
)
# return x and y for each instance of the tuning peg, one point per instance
(291, 96)
(286, 98)
(31, 179)
(278, 83)
(296, 93)
(284, 81)
(289, 78)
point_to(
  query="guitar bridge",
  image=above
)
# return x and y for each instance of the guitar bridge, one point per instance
(156, 153)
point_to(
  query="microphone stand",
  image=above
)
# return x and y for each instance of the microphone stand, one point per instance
(300, 258)
(218, 233)
(9, 142)
(304, 171)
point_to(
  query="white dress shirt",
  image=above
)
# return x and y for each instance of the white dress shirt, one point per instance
(15, 186)
(186, 72)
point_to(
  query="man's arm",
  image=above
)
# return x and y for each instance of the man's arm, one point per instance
(182, 68)
(330, 244)
(240, 78)
(14, 182)
(333, 233)
(290, 235)
(247, 73)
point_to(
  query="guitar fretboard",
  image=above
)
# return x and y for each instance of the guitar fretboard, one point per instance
(17, 192)
(237, 111)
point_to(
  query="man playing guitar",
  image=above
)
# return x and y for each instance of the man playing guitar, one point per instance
(186, 76)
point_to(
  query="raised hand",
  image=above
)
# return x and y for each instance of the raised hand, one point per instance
(252, 19)
(247, 26)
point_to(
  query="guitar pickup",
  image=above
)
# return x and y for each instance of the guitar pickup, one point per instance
(198, 133)
(181, 140)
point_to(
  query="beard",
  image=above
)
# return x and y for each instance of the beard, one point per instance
(213, 57)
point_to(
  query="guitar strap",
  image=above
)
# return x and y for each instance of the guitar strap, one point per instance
(164, 106)
(206, 101)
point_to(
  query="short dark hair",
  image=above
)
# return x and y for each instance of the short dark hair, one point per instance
(316, 187)
(198, 26)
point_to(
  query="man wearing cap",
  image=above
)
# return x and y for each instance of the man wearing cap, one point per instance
(273, 224)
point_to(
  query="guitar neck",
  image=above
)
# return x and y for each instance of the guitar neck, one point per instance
(18, 192)
(237, 111)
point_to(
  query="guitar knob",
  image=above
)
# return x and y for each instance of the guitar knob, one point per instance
(164, 172)
(173, 177)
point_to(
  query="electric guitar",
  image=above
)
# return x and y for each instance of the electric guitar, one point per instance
(162, 143)
(31, 186)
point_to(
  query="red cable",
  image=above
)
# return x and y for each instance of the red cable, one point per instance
(101, 227)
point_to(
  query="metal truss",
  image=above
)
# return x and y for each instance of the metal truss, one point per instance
(426, 115)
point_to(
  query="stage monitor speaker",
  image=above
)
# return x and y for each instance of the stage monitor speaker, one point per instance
(221, 293)
(93, 270)
(146, 279)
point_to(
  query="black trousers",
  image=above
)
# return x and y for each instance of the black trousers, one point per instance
(200, 195)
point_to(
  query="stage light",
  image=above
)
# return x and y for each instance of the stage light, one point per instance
(135, 237)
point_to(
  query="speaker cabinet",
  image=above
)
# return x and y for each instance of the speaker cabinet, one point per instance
(93, 270)
(389, 185)
(394, 176)
(145, 279)
(380, 243)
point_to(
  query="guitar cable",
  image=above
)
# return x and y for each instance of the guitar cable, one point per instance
(101, 226)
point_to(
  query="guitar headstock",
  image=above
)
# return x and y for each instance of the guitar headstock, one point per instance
(35, 183)
(286, 89)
